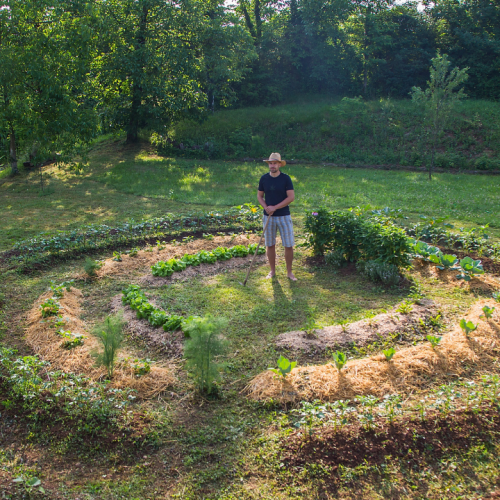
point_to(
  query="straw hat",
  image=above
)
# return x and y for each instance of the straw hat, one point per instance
(276, 157)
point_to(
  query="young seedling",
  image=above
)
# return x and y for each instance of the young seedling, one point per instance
(340, 359)
(344, 324)
(133, 252)
(49, 308)
(405, 307)
(284, 367)
(389, 353)
(433, 340)
(488, 312)
(117, 256)
(496, 296)
(467, 326)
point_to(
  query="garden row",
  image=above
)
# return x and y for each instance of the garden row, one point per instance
(94, 237)
(376, 244)
(168, 267)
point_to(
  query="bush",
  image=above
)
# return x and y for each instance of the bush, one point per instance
(357, 236)
(388, 274)
(109, 333)
(202, 346)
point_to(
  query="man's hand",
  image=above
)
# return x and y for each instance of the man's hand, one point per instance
(270, 210)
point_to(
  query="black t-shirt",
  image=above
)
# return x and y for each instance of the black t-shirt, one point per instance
(275, 189)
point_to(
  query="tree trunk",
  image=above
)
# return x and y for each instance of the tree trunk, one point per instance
(12, 152)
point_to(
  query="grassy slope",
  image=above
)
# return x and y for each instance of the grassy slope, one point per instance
(368, 132)
(126, 183)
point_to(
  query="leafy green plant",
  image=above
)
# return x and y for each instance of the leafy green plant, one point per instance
(366, 414)
(376, 271)
(58, 290)
(207, 257)
(488, 312)
(284, 367)
(117, 256)
(447, 262)
(157, 318)
(469, 268)
(134, 251)
(496, 296)
(340, 359)
(202, 347)
(208, 236)
(310, 414)
(334, 258)
(393, 405)
(91, 266)
(405, 307)
(141, 367)
(30, 484)
(73, 341)
(433, 340)
(389, 353)
(50, 307)
(109, 333)
(173, 323)
(467, 326)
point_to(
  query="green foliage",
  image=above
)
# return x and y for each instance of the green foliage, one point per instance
(357, 235)
(173, 323)
(72, 340)
(284, 367)
(496, 296)
(433, 340)
(340, 359)
(157, 318)
(334, 258)
(50, 307)
(488, 312)
(141, 367)
(438, 100)
(310, 415)
(389, 353)
(110, 334)
(201, 349)
(30, 484)
(447, 262)
(467, 326)
(405, 307)
(469, 268)
(388, 274)
(117, 256)
(91, 266)
(133, 252)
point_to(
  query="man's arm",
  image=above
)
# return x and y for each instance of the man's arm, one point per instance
(263, 204)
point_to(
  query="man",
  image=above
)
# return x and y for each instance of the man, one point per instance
(275, 193)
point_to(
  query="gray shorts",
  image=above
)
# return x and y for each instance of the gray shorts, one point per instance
(284, 224)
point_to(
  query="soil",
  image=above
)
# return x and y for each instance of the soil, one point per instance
(361, 332)
(170, 344)
(415, 441)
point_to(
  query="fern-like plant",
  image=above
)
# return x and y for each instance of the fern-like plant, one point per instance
(110, 335)
(201, 348)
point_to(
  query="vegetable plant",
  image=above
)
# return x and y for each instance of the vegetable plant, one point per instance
(496, 296)
(30, 484)
(488, 312)
(389, 353)
(142, 368)
(433, 340)
(117, 256)
(202, 347)
(134, 251)
(173, 323)
(405, 307)
(447, 262)
(75, 340)
(157, 318)
(469, 268)
(467, 326)
(367, 416)
(284, 367)
(393, 405)
(49, 308)
(340, 359)
(91, 266)
(110, 335)
(310, 414)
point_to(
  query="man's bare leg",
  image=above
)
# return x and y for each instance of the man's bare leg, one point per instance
(288, 261)
(271, 258)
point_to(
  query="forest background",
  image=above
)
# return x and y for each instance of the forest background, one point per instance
(72, 70)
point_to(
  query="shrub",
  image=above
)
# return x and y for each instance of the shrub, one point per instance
(202, 346)
(91, 266)
(357, 236)
(109, 333)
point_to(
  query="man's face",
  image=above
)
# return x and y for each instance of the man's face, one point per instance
(274, 166)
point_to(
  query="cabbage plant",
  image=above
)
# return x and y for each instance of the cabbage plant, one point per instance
(284, 367)
(467, 326)
(469, 268)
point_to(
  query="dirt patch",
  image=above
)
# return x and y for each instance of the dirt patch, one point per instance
(412, 440)
(410, 369)
(170, 344)
(201, 270)
(361, 332)
(41, 336)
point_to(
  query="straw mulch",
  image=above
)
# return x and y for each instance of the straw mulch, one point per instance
(44, 340)
(410, 369)
(145, 259)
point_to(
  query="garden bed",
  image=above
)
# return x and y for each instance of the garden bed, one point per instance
(359, 333)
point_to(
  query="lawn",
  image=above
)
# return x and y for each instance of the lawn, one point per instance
(228, 446)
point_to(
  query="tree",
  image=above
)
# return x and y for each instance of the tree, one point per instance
(45, 49)
(438, 99)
